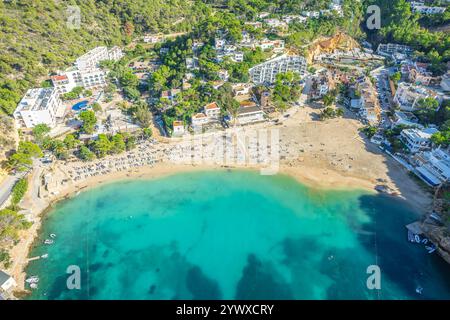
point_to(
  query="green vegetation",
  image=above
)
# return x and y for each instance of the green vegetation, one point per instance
(89, 120)
(369, 131)
(40, 131)
(304, 33)
(287, 89)
(74, 94)
(401, 25)
(85, 154)
(11, 223)
(19, 190)
(22, 159)
(330, 113)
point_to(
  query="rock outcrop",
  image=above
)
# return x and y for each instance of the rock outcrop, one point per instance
(340, 41)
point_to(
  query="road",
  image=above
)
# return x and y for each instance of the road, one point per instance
(7, 185)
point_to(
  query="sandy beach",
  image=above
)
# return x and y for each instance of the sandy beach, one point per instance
(330, 155)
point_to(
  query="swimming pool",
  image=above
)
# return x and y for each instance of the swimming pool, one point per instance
(80, 105)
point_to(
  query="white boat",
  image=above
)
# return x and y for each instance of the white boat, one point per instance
(417, 238)
(32, 279)
(430, 249)
(52, 235)
(33, 286)
(48, 241)
(44, 256)
(419, 290)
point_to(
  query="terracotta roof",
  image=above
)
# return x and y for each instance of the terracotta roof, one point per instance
(212, 105)
(58, 78)
(247, 104)
(199, 116)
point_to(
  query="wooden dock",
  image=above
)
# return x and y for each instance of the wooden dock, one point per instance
(34, 258)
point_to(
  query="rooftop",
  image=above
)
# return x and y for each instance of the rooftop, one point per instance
(35, 99)
(3, 277)
(211, 106)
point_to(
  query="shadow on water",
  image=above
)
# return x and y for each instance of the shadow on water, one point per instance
(406, 264)
(201, 286)
(259, 281)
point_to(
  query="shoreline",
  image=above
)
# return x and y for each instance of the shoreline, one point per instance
(311, 177)
(310, 155)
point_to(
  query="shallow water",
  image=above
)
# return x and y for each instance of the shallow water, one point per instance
(227, 235)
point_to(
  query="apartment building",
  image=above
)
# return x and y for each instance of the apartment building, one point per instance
(39, 106)
(85, 72)
(422, 8)
(390, 49)
(91, 79)
(92, 58)
(408, 95)
(212, 111)
(249, 112)
(266, 72)
(417, 139)
(433, 166)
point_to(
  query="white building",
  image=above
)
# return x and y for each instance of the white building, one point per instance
(433, 166)
(311, 14)
(178, 128)
(212, 111)
(406, 119)
(192, 64)
(416, 139)
(93, 78)
(199, 119)
(6, 281)
(424, 9)
(390, 49)
(275, 23)
(115, 53)
(294, 18)
(249, 113)
(407, 96)
(445, 83)
(151, 38)
(38, 106)
(266, 72)
(85, 72)
(224, 75)
(92, 58)
(275, 45)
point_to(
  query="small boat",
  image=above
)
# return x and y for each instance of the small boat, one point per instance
(417, 238)
(424, 240)
(48, 241)
(33, 286)
(52, 235)
(419, 290)
(32, 279)
(44, 256)
(430, 249)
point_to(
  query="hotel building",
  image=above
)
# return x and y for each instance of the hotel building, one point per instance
(266, 72)
(38, 106)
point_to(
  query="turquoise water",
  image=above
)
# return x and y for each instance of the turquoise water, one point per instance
(227, 235)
